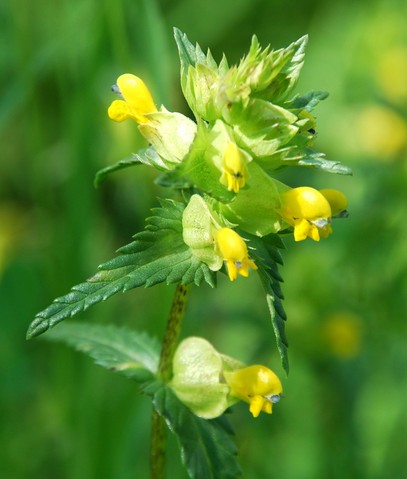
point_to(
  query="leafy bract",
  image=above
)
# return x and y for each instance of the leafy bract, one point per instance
(130, 353)
(265, 252)
(308, 101)
(207, 449)
(189, 54)
(158, 254)
(315, 159)
(299, 155)
(147, 156)
(288, 76)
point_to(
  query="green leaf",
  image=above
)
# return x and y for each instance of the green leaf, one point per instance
(300, 155)
(207, 449)
(315, 159)
(265, 252)
(156, 255)
(130, 353)
(147, 156)
(308, 101)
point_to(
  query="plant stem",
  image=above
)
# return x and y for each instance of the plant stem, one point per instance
(168, 347)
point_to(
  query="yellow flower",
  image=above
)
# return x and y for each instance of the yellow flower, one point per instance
(137, 100)
(337, 201)
(234, 169)
(234, 251)
(256, 385)
(308, 211)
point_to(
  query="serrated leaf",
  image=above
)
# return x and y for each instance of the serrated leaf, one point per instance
(130, 353)
(147, 156)
(308, 101)
(189, 54)
(315, 159)
(288, 62)
(292, 71)
(156, 255)
(207, 449)
(265, 252)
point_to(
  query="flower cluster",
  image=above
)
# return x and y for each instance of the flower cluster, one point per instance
(247, 126)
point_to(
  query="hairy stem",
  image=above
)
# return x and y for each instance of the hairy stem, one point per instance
(168, 347)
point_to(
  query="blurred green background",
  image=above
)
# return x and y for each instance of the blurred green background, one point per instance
(344, 414)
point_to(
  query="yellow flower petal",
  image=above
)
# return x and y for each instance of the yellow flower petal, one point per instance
(232, 270)
(308, 211)
(337, 201)
(234, 251)
(257, 385)
(118, 111)
(302, 229)
(256, 405)
(137, 102)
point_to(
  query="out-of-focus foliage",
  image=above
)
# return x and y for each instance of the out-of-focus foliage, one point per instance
(344, 411)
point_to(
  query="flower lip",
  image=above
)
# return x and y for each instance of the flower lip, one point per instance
(234, 252)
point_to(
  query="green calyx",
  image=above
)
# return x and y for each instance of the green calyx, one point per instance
(170, 133)
(199, 225)
(198, 377)
(257, 208)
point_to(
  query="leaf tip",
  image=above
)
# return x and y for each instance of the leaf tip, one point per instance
(37, 327)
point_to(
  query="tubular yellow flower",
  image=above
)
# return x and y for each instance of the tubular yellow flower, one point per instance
(337, 201)
(234, 169)
(308, 211)
(137, 100)
(234, 251)
(256, 385)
